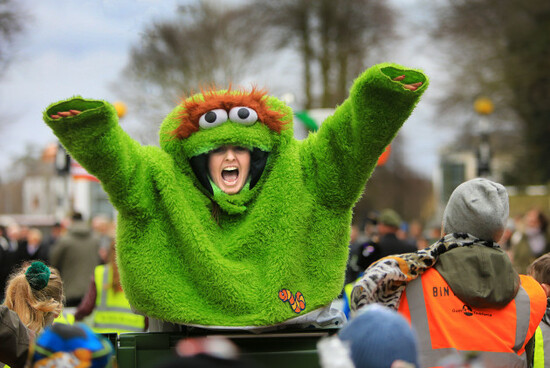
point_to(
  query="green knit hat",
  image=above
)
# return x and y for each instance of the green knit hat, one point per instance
(38, 275)
(390, 217)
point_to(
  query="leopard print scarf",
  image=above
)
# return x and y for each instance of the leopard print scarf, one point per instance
(384, 281)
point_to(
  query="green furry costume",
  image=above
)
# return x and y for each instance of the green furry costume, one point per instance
(287, 230)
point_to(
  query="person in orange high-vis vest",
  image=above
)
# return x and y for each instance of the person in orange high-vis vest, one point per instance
(462, 294)
(446, 325)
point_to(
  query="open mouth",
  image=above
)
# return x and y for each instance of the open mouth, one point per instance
(230, 174)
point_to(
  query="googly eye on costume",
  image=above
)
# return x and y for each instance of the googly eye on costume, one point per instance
(243, 115)
(213, 118)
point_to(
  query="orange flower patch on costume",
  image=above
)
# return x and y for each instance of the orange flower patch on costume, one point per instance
(255, 99)
(297, 303)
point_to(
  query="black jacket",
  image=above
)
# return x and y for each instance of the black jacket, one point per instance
(387, 245)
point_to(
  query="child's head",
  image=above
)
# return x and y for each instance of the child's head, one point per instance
(540, 271)
(35, 293)
(377, 337)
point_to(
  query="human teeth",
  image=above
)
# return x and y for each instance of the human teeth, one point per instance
(230, 174)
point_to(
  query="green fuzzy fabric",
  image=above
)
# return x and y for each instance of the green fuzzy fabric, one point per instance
(290, 231)
(38, 275)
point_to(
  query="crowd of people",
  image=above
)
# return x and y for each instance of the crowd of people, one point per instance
(525, 238)
(468, 298)
(74, 246)
(478, 263)
(60, 279)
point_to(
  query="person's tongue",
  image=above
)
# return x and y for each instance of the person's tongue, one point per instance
(230, 175)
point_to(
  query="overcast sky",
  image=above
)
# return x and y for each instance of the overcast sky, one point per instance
(80, 47)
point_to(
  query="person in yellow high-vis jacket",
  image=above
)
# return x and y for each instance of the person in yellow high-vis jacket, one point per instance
(540, 271)
(106, 299)
(64, 318)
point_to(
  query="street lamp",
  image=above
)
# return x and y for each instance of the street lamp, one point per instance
(484, 107)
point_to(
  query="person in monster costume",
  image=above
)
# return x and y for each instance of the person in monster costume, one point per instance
(232, 221)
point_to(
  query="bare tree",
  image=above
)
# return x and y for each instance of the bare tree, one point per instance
(331, 37)
(11, 24)
(204, 45)
(500, 48)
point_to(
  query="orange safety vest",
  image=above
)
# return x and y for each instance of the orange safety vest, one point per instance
(445, 325)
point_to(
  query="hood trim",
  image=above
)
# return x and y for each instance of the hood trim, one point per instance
(199, 165)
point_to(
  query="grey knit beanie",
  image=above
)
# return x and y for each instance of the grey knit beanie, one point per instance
(478, 207)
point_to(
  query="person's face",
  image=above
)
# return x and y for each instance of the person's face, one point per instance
(384, 229)
(229, 167)
(532, 220)
(34, 238)
(14, 232)
(415, 229)
(354, 233)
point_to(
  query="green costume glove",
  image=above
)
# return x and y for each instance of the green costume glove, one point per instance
(274, 251)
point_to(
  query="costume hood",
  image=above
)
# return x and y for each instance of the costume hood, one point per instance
(190, 149)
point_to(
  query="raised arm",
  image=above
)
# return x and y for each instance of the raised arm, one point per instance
(340, 158)
(90, 132)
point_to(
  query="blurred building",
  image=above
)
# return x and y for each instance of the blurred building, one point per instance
(52, 193)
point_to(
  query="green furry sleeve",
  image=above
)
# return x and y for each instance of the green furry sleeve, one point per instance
(340, 158)
(95, 139)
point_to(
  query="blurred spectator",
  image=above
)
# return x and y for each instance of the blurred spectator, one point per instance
(352, 270)
(101, 225)
(506, 240)
(4, 263)
(14, 339)
(23, 233)
(4, 246)
(415, 236)
(370, 232)
(76, 256)
(35, 293)
(14, 236)
(8, 257)
(55, 233)
(69, 346)
(378, 337)
(388, 243)
(540, 271)
(531, 241)
(34, 249)
(433, 232)
(357, 243)
(462, 294)
(105, 297)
